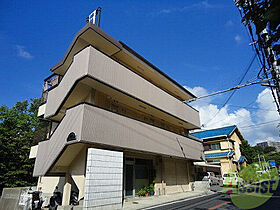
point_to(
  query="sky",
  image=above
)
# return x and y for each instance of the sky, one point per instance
(201, 44)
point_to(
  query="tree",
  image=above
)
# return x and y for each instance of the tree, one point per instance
(252, 154)
(17, 126)
(248, 151)
(269, 149)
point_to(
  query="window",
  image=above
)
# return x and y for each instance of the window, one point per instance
(215, 146)
(206, 147)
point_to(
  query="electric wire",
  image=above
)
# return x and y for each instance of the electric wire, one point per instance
(259, 124)
(231, 95)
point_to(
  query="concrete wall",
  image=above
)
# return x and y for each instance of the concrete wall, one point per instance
(16, 198)
(77, 172)
(104, 179)
(47, 184)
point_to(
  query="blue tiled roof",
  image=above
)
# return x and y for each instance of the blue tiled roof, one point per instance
(214, 132)
(219, 154)
(242, 158)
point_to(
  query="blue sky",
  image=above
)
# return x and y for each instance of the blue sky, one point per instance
(198, 43)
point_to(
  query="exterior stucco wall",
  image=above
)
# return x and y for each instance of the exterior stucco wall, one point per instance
(98, 126)
(227, 165)
(225, 144)
(77, 172)
(93, 63)
(237, 143)
(104, 127)
(47, 184)
(49, 150)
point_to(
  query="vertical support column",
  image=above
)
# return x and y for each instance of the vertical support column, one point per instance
(66, 191)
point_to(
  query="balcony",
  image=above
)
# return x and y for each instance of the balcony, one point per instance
(89, 124)
(49, 83)
(98, 71)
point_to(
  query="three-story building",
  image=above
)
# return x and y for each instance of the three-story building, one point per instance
(117, 124)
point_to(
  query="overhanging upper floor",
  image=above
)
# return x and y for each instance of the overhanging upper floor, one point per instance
(96, 70)
(93, 125)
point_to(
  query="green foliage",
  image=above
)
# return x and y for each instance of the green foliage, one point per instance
(141, 192)
(251, 153)
(17, 125)
(269, 149)
(152, 188)
(260, 12)
(263, 13)
(274, 156)
(256, 172)
(145, 190)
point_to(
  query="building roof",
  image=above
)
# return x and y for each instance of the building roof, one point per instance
(225, 131)
(90, 34)
(220, 154)
(242, 158)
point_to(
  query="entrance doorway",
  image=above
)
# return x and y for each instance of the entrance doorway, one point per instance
(139, 173)
(129, 174)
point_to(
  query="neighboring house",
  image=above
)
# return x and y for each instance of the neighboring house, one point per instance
(270, 144)
(222, 147)
(117, 124)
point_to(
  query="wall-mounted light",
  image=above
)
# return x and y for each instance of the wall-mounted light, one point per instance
(71, 136)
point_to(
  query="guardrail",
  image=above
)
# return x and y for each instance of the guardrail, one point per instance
(49, 83)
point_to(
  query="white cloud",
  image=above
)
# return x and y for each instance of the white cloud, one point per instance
(199, 5)
(242, 117)
(21, 52)
(237, 38)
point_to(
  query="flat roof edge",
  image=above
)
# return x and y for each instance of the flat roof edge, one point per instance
(121, 45)
(156, 68)
(78, 34)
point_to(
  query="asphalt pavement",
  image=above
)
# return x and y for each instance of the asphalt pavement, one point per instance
(218, 200)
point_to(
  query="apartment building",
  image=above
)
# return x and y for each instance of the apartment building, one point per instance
(265, 144)
(222, 147)
(117, 124)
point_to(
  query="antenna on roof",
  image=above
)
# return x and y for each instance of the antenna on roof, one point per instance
(96, 14)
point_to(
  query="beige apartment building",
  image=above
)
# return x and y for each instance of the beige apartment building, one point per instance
(117, 124)
(222, 148)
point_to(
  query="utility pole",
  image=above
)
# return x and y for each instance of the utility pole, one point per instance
(262, 19)
(260, 161)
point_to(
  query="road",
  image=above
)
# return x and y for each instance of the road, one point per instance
(216, 201)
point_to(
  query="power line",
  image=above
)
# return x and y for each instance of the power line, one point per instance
(231, 95)
(260, 124)
(245, 107)
(263, 45)
(227, 90)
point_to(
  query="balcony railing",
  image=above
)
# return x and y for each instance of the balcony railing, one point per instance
(49, 83)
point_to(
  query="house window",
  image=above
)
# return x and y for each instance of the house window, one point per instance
(215, 146)
(206, 147)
